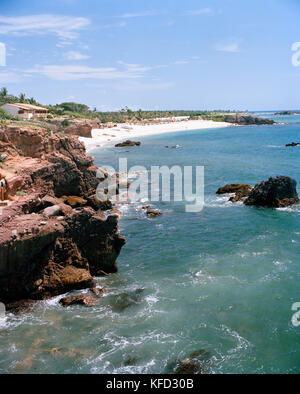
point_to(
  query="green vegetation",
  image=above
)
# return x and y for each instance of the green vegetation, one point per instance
(72, 110)
(65, 123)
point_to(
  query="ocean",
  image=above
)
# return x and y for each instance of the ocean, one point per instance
(223, 280)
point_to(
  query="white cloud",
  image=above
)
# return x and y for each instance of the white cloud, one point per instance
(73, 55)
(202, 11)
(65, 27)
(71, 72)
(231, 47)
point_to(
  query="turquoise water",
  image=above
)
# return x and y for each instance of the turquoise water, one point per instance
(223, 279)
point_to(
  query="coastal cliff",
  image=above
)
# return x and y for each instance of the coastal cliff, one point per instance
(55, 234)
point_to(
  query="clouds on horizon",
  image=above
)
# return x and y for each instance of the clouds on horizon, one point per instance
(64, 27)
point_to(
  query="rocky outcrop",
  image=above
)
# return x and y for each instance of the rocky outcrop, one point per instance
(54, 236)
(293, 144)
(80, 128)
(244, 120)
(276, 192)
(240, 190)
(83, 299)
(42, 257)
(128, 143)
(59, 164)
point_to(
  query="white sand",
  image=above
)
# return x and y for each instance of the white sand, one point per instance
(113, 135)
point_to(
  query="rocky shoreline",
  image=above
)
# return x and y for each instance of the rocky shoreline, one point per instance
(55, 233)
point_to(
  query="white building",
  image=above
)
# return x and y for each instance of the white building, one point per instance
(24, 111)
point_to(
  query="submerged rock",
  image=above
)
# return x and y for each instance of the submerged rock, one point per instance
(274, 193)
(173, 146)
(128, 143)
(83, 299)
(197, 362)
(125, 300)
(130, 360)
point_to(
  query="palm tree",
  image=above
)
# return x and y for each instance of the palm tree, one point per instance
(22, 97)
(3, 92)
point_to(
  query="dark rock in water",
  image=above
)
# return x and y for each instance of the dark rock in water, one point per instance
(151, 213)
(124, 300)
(286, 113)
(247, 120)
(131, 360)
(128, 143)
(83, 299)
(274, 193)
(293, 144)
(21, 306)
(173, 146)
(240, 190)
(197, 362)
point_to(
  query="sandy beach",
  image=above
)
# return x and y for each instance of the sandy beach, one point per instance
(110, 136)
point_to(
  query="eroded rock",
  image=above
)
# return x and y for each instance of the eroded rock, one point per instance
(274, 193)
(82, 299)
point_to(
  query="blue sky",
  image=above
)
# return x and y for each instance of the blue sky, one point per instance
(154, 54)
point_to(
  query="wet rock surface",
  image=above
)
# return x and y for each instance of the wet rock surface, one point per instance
(274, 193)
(83, 299)
(240, 190)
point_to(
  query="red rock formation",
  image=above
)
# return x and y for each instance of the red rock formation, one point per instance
(43, 255)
